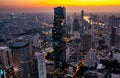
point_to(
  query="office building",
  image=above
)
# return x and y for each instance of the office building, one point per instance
(81, 29)
(91, 58)
(113, 36)
(6, 63)
(40, 65)
(86, 42)
(76, 25)
(112, 22)
(82, 15)
(70, 25)
(37, 42)
(59, 32)
(21, 53)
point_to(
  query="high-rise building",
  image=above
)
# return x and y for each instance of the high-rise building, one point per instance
(82, 14)
(81, 29)
(6, 63)
(76, 25)
(70, 25)
(59, 32)
(21, 53)
(91, 58)
(112, 22)
(40, 65)
(37, 42)
(86, 42)
(113, 36)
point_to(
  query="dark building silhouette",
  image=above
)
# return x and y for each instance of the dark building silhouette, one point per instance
(76, 25)
(59, 32)
(113, 36)
(82, 23)
(82, 14)
(86, 42)
(113, 27)
(112, 22)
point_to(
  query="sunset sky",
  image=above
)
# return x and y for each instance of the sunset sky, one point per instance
(47, 5)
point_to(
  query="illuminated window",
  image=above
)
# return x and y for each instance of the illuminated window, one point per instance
(62, 23)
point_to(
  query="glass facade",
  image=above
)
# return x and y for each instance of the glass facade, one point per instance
(59, 32)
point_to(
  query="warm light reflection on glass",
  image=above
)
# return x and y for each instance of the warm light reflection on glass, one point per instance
(16, 69)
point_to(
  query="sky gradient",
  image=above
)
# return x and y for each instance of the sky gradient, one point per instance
(47, 5)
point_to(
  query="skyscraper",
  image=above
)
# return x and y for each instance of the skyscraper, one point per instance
(112, 22)
(21, 52)
(70, 25)
(91, 58)
(40, 65)
(81, 29)
(86, 42)
(5, 56)
(82, 14)
(113, 36)
(59, 32)
(76, 25)
(6, 64)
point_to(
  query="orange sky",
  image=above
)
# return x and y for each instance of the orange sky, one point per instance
(93, 5)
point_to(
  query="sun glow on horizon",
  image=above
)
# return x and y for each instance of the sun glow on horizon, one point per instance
(48, 5)
(37, 3)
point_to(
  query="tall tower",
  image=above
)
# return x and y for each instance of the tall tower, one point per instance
(40, 65)
(91, 58)
(112, 22)
(82, 21)
(76, 25)
(82, 14)
(59, 32)
(113, 36)
(21, 53)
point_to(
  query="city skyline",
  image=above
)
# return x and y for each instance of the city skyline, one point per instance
(37, 6)
(60, 44)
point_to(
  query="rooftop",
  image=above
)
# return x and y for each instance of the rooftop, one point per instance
(38, 54)
(19, 44)
(4, 47)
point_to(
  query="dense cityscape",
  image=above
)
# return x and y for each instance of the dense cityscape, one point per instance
(60, 45)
